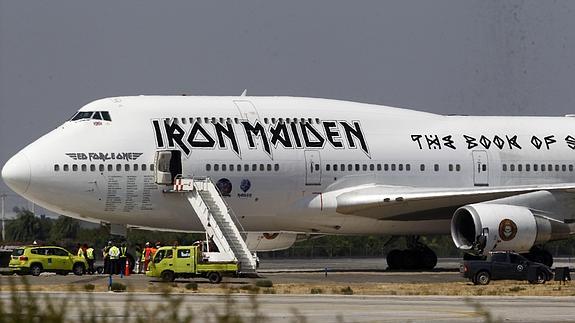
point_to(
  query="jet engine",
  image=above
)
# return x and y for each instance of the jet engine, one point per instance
(484, 227)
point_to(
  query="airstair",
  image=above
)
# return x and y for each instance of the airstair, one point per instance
(216, 217)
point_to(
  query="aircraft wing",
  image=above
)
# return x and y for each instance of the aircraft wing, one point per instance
(401, 203)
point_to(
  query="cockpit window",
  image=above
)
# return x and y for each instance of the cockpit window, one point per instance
(82, 115)
(106, 116)
(98, 115)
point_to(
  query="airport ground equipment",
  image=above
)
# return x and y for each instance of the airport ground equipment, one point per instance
(216, 218)
(174, 262)
(505, 265)
(35, 260)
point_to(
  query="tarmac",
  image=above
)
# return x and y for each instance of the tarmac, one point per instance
(314, 307)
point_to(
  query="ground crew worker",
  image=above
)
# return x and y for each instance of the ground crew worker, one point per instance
(123, 256)
(147, 256)
(107, 258)
(80, 252)
(90, 259)
(114, 254)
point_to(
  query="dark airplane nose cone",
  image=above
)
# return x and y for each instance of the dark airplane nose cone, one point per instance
(16, 173)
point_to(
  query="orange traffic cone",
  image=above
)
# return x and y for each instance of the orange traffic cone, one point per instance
(127, 269)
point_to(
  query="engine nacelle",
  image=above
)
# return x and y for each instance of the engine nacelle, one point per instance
(264, 241)
(484, 227)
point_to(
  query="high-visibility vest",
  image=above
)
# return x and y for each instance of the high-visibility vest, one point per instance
(90, 253)
(80, 252)
(114, 252)
(123, 251)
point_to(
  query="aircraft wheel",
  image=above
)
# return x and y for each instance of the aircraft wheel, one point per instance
(429, 259)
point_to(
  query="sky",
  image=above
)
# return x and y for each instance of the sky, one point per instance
(485, 57)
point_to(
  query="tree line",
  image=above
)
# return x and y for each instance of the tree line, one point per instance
(67, 232)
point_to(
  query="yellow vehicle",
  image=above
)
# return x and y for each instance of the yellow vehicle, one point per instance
(35, 260)
(170, 263)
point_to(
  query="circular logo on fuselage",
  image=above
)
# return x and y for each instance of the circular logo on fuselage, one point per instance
(507, 230)
(225, 186)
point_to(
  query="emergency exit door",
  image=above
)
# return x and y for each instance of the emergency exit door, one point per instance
(480, 168)
(312, 168)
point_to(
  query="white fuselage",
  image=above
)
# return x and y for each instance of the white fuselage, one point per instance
(287, 176)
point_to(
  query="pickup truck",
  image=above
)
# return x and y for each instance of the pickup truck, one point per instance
(170, 263)
(505, 265)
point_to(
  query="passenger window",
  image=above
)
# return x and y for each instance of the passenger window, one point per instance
(342, 167)
(75, 168)
(527, 167)
(422, 167)
(101, 167)
(246, 168)
(224, 167)
(542, 167)
(66, 168)
(357, 167)
(151, 167)
(484, 167)
(269, 167)
(143, 167)
(216, 167)
(254, 167)
(400, 167)
(84, 167)
(564, 168)
(231, 167)
(408, 167)
(519, 167)
(364, 167)
(556, 168)
(371, 167)
(118, 167)
(436, 167)
(504, 167)
(262, 167)
(277, 167)
(386, 167)
(535, 167)
(239, 168)
(56, 168)
(512, 167)
(349, 167)
(392, 167)
(110, 167)
(570, 168)
(335, 167)
(135, 167)
(450, 167)
(92, 168)
(127, 167)
(208, 167)
(379, 167)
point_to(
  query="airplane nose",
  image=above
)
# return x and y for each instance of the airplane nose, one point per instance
(16, 173)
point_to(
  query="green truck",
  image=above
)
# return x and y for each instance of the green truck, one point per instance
(174, 262)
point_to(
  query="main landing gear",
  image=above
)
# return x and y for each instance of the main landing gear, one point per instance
(416, 257)
(538, 254)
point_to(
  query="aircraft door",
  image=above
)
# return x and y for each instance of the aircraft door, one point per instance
(312, 167)
(480, 168)
(168, 165)
(247, 110)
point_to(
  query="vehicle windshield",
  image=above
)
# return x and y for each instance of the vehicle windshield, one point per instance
(18, 252)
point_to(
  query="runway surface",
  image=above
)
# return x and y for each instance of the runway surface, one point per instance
(322, 308)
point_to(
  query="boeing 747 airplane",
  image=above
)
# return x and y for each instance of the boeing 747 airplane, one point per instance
(289, 166)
